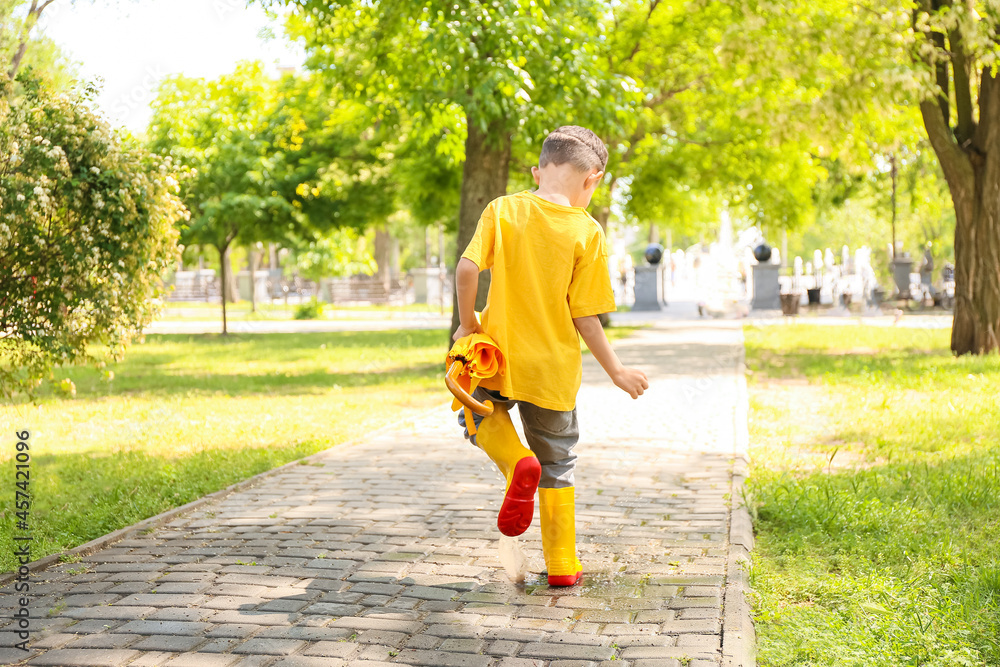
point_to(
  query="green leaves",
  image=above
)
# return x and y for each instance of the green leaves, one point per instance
(706, 136)
(86, 230)
(220, 130)
(530, 65)
(704, 103)
(341, 252)
(275, 159)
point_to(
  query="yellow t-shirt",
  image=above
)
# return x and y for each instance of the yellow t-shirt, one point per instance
(549, 264)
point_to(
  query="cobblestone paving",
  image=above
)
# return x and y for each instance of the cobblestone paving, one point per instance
(386, 552)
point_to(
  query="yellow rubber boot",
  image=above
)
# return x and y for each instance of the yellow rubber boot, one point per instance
(557, 509)
(518, 464)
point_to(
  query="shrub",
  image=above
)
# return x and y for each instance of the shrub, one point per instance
(310, 310)
(87, 227)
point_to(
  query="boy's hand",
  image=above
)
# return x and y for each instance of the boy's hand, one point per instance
(632, 381)
(464, 331)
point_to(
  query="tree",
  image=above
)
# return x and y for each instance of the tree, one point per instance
(706, 135)
(218, 129)
(428, 166)
(86, 216)
(958, 45)
(855, 63)
(21, 46)
(86, 230)
(16, 31)
(854, 205)
(505, 67)
(274, 160)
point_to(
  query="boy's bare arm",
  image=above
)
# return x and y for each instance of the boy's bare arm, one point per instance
(467, 287)
(631, 380)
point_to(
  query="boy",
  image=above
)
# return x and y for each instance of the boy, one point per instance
(550, 280)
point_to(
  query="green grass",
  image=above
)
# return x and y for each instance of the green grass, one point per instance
(187, 415)
(876, 490)
(180, 311)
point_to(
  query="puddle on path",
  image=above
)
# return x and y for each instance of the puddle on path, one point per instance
(614, 589)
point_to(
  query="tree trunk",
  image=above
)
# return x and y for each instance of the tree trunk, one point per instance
(603, 213)
(963, 338)
(484, 178)
(393, 261)
(602, 216)
(442, 267)
(18, 57)
(224, 271)
(977, 265)
(973, 174)
(977, 312)
(383, 259)
(229, 285)
(252, 262)
(29, 24)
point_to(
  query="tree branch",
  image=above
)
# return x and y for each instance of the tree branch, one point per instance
(941, 76)
(638, 41)
(29, 24)
(667, 94)
(986, 139)
(966, 125)
(936, 60)
(954, 161)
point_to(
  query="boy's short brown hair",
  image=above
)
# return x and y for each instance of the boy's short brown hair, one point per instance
(576, 145)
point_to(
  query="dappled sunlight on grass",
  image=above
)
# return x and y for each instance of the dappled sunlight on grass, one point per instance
(876, 487)
(177, 425)
(273, 363)
(906, 358)
(177, 311)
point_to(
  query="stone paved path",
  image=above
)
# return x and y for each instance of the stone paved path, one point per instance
(386, 552)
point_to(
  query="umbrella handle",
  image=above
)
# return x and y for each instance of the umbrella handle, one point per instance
(482, 409)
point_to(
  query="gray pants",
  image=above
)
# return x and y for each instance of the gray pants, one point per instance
(551, 435)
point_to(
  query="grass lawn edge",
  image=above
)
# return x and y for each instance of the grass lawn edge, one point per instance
(850, 567)
(739, 639)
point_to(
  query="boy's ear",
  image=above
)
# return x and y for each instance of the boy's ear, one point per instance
(535, 174)
(593, 180)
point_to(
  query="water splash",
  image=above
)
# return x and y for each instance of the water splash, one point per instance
(512, 558)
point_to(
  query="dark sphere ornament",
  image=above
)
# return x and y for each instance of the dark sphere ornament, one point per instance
(762, 253)
(654, 253)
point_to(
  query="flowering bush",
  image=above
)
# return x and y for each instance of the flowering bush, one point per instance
(87, 227)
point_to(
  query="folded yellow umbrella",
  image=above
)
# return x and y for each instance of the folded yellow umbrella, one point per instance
(472, 358)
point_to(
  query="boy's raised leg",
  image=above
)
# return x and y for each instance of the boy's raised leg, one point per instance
(518, 464)
(557, 510)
